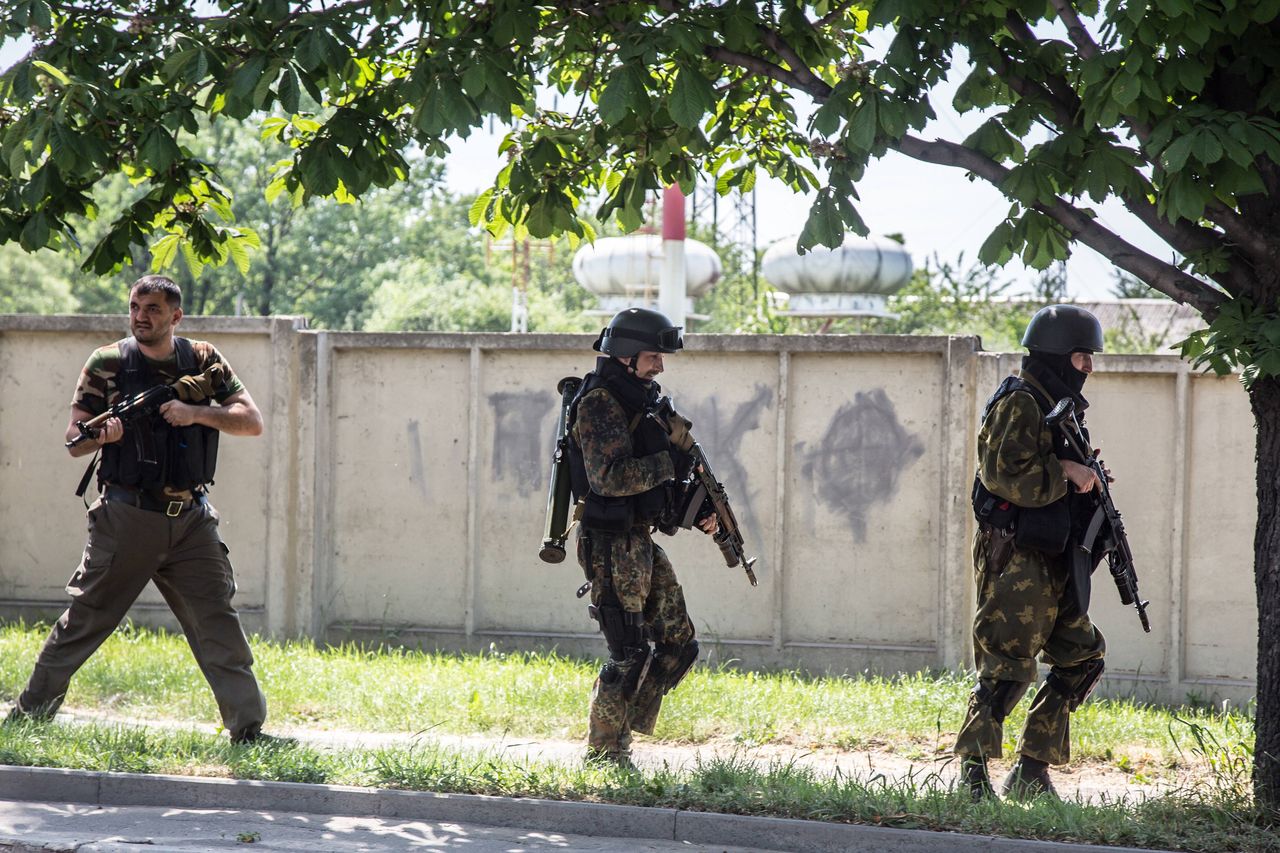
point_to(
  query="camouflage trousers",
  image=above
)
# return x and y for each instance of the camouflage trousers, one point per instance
(632, 567)
(1021, 616)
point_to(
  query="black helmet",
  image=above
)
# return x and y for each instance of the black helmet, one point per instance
(636, 330)
(1063, 329)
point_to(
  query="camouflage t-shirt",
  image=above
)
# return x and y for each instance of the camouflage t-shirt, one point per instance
(97, 387)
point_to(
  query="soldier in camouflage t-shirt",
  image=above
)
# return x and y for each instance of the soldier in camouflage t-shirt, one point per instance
(152, 522)
(1025, 608)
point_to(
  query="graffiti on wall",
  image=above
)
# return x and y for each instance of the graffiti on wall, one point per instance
(856, 466)
(519, 450)
(417, 469)
(720, 428)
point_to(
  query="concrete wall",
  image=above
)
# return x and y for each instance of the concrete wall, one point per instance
(398, 494)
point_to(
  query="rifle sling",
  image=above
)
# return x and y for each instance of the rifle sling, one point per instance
(88, 474)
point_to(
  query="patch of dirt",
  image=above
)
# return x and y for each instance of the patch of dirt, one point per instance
(1085, 781)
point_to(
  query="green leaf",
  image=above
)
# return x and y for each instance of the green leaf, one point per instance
(1126, 89)
(478, 212)
(1206, 146)
(995, 250)
(238, 248)
(51, 71)
(691, 97)
(288, 91)
(163, 252)
(613, 100)
(194, 263)
(35, 234)
(158, 150)
(861, 132)
(64, 146)
(1175, 156)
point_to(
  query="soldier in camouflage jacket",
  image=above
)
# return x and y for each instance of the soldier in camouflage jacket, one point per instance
(623, 465)
(1026, 606)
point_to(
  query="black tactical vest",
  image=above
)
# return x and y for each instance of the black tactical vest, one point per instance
(647, 438)
(152, 454)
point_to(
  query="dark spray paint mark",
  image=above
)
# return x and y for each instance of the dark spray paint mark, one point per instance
(721, 435)
(518, 447)
(858, 462)
(417, 471)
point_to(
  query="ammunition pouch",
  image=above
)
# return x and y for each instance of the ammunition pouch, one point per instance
(610, 515)
(1076, 683)
(1045, 529)
(1001, 696)
(623, 630)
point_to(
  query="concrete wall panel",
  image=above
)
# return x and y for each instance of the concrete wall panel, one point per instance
(863, 474)
(1220, 604)
(400, 491)
(399, 422)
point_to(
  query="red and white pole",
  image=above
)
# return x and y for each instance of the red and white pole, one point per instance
(673, 285)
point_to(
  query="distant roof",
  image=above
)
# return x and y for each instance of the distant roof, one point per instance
(1161, 321)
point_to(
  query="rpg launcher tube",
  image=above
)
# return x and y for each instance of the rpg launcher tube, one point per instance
(558, 496)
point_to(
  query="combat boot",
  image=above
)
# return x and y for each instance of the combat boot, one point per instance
(1028, 779)
(974, 777)
(609, 757)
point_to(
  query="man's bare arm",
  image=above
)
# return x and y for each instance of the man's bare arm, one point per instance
(110, 431)
(238, 415)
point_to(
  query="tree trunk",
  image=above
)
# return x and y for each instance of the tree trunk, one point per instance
(1264, 397)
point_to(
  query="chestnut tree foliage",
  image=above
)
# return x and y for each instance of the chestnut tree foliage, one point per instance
(1170, 106)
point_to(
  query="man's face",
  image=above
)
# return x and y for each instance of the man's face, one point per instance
(150, 318)
(1083, 362)
(648, 365)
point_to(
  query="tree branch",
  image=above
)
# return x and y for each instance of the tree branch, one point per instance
(817, 88)
(1076, 29)
(1237, 230)
(1163, 276)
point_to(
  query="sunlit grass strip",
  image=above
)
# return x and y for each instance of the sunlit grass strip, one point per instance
(1207, 819)
(151, 674)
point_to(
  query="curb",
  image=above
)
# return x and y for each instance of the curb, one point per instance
(44, 784)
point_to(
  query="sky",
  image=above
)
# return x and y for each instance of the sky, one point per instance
(936, 209)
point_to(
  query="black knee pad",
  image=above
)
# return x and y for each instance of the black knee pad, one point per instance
(1001, 698)
(1075, 683)
(680, 659)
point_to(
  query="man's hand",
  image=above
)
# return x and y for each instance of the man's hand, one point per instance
(1081, 476)
(679, 433)
(179, 414)
(112, 430)
(710, 524)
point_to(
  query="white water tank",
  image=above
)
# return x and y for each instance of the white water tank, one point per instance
(849, 281)
(624, 272)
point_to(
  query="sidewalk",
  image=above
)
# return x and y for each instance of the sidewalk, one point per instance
(52, 810)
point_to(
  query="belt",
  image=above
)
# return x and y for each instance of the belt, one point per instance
(148, 501)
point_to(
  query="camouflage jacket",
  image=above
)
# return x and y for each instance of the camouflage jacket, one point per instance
(604, 434)
(1016, 458)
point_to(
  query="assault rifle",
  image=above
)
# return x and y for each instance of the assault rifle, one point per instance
(698, 486)
(1115, 542)
(190, 389)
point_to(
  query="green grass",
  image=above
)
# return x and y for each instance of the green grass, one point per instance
(151, 675)
(1201, 820)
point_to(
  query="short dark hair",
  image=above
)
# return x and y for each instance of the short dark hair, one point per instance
(160, 284)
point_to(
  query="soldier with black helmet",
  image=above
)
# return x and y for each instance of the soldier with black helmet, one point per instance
(623, 463)
(1027, 499)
